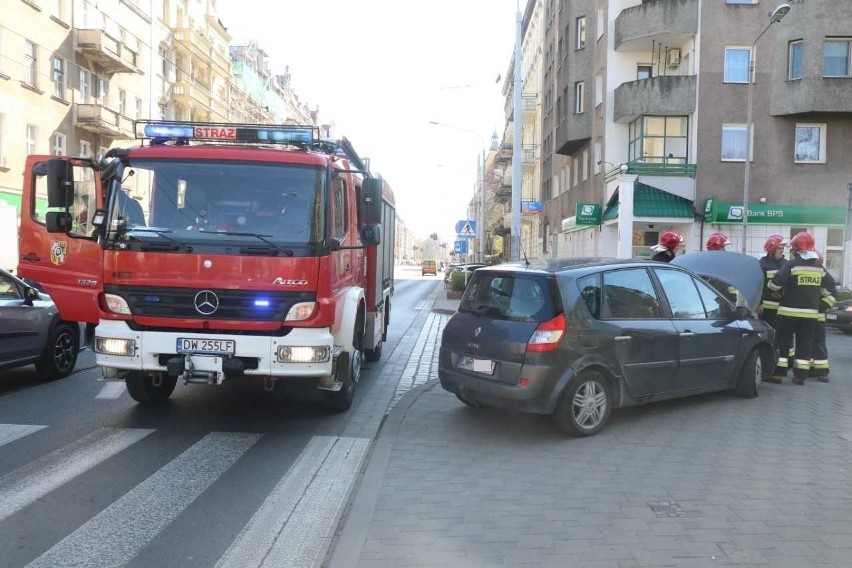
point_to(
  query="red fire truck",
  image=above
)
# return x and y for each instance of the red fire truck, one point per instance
(215, 252)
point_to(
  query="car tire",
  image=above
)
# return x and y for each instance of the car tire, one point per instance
(468, 402)
(348, 372)
(585, 405)
(751, 376)
(60, 353)
(144, 390)
(373, 355)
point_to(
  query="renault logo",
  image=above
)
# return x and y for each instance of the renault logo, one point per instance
(206, 302)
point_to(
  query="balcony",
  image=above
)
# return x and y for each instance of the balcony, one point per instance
(661, 170)
(107, 52)
(666, 22)
(811, 95)
(195, 95)
(529, 105)
(529, 154)
(100, 120)
(573, 132)
(668, 95)
(195, 42)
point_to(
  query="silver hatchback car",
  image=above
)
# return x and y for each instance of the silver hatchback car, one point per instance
(31, 331)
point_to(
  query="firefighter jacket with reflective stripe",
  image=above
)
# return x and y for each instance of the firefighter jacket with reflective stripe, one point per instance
(770, 266)
(802, 283)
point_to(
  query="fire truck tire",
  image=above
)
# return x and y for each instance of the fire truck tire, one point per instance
(142, 389)
(373, 354)
(349, 372)
(60, 353)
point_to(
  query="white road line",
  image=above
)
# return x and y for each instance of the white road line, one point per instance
(298, 519)
(12, 432)
(421, 304)
(21, 487)
(119, 532)
(112, 390)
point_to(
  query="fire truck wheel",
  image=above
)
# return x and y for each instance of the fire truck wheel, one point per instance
(60, 353)
(143, 390)
(373, 354)
(348, 372)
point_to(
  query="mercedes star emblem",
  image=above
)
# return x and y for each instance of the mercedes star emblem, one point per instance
(477, 331)
(206, 302)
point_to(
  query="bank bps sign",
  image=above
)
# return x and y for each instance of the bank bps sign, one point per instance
(773, 214)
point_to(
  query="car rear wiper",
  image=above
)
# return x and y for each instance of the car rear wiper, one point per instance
(253, 250)
(174, 245)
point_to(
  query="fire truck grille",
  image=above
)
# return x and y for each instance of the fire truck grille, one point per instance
(211, 304)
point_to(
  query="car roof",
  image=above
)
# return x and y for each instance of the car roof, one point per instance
(559, 265)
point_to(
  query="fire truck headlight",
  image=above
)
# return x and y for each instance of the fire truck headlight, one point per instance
(115, 346)
(116, 304)
(300, 311)
(290, 354)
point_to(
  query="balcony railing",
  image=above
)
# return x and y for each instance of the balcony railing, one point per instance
(100, 120)
(107, 52)
(665, 22)
(667, 95)
(195, 42)
(657, 169)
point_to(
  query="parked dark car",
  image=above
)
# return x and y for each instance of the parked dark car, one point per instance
(840, 316)
(31, 331)
(575, 338)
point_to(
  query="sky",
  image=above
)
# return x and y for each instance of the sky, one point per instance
(381, 70)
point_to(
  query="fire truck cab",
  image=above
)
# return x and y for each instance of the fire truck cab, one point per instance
(216, 252)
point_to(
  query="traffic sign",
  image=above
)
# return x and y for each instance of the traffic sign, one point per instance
(460, 247)
(466, 229)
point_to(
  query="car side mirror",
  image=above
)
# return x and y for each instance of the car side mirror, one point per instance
(30, 295)
(742, 312)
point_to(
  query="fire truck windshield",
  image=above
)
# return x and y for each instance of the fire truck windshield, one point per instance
(203, 201)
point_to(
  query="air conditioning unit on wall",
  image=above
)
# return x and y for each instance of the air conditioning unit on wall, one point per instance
(672, 57)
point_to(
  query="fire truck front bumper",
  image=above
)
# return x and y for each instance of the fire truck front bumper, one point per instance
(304, 352)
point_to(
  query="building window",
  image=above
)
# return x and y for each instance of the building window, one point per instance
(164, 62)
(32, 132)
(59, 77)
(736, 64)
(138, 114)
(122, 102)
(598, 90)
(795, 54)
(836, 60)
(576, 170)
(579, 92)
(84, 86)
(56, 9)
(581, 32)
(85, 149)
(31, 63)
(659, 139)
(59, 144)
(742, 1)
(597, 158)
(585, 164)
(103, 90)
(601, 23)
(810, 144)
(734, 145)
(643, 71)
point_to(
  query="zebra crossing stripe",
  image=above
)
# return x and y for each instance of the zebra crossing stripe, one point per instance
(112, 390)
(295, 523)
(116, 534)
(11, 432)
(23, 486)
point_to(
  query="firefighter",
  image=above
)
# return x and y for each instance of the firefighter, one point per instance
(770, 264)
(667, 245)
(819, 354)
(717, 241)
(800, 281)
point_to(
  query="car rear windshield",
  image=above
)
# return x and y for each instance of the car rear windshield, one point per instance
(511, 296)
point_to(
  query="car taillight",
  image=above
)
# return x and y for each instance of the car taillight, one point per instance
(547, 335)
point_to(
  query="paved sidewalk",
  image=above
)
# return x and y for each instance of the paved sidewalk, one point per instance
(712, 480)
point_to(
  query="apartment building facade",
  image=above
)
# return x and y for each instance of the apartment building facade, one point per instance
(644, 123)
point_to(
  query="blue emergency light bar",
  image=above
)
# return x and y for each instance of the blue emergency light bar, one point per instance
(162, 131)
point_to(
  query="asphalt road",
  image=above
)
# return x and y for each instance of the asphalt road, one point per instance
(220, 476)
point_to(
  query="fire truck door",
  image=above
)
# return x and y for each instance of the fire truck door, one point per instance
(69, 265)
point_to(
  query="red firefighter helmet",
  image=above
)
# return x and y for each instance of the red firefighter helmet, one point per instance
(717, 241)
(802, 242)
(670, 240)
(775, 243)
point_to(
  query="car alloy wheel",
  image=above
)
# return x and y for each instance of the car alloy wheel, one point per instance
(589, 405)
(585, 405)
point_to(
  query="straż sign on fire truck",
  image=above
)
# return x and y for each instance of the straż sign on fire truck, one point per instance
(215, 252)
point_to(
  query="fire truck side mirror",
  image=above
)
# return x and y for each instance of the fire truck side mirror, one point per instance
(371, 235)
(371, 201)
(57, 221)
(60, 182)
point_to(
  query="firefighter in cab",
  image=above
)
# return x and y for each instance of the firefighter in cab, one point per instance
(801, 283)
(717, 241)
(666, 248)
(770, 264)
(819, 361)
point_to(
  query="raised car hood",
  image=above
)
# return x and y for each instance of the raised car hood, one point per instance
(738, 270)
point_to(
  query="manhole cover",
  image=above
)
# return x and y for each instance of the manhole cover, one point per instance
(667, 509)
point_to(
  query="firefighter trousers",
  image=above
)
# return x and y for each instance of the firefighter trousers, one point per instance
(802, 330)
(819, 353)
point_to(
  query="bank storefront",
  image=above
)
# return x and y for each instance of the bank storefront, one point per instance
(825, 222)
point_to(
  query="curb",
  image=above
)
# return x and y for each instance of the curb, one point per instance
(356, 522)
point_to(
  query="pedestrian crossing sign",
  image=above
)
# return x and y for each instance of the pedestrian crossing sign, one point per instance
(466, 229)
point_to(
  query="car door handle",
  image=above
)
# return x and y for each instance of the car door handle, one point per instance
(623, 338)
(30, 257)
(686, 334)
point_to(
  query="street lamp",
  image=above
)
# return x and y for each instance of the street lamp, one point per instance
(481, 221)
(775, 16)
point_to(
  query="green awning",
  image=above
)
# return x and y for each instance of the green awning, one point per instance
(652, 202)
